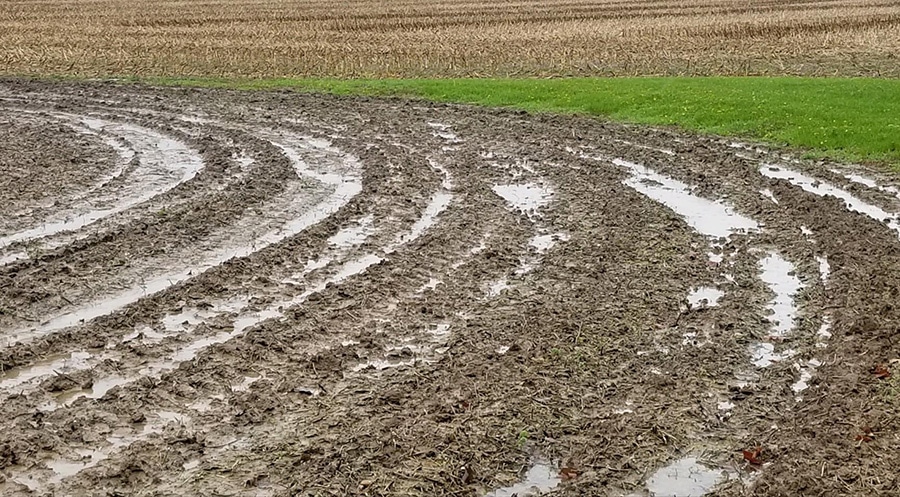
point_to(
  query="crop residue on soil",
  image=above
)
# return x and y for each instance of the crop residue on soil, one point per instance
(286, 294)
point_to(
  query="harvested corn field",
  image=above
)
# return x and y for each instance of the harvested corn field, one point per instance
(376, 38)
(209, 292)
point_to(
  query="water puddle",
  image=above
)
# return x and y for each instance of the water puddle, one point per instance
(685, 477)
(190, 317)
(344, 187)
(711, 218)
(186, 318)
(705, 297)
(64, 468)
(244, 161)
(438, 204)
(164, 164)
(79, 361)
(824, 268)
(189, 352)
(244, 385)
(174, 417)
(717, 220)
(822, 189)
(57, 364)
(311, 265)
(824, 333)
(779, 275)
(430, 285)
(440, 332)
(204, 405)
(540, 478)
(868, 182)
(443, 131)
(99, 388)
(763, 354)
(494, 289)
(523, 165)
(61, 468)
(857, 178)
(769, 195)
(146, 334)
(527, 198)
(345, 271)
(477, 249)
(13, 257)
(806, 373)
(353, 236)
(543, 243)
(314, 264)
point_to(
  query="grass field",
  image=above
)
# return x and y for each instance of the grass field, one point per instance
(443, 38)
(851, 119)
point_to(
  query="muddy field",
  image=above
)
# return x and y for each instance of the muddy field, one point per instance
(221, 293)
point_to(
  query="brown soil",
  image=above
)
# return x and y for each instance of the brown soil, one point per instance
(406, 375)
(37, 181)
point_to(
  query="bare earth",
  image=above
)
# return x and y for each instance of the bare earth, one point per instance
(288, 294)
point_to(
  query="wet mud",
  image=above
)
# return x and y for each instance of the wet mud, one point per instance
(209, 292)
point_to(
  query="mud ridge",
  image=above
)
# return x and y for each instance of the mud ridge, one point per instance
(329, 295)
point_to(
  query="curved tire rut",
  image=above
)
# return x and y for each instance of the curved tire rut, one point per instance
(393, 297)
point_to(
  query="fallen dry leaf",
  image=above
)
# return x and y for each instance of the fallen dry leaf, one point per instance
(753, 455)
(881, 372)
(568, 473)
(867, 435)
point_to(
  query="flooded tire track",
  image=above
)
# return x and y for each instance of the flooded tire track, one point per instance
(423, 346)
(241, 323)
(162, 164)
(343, 187)
(418, 299)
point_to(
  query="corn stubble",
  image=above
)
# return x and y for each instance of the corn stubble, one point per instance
(420, 38)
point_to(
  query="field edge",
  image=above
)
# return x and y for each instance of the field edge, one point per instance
(843, 119)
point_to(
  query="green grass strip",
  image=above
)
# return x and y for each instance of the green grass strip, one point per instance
(847, 119)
